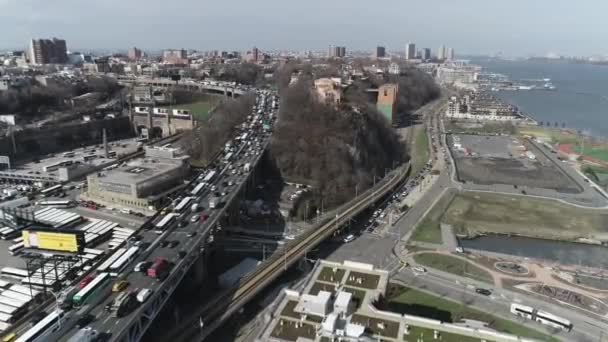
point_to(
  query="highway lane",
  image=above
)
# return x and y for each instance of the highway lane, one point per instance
(246, 153)
(462, 289)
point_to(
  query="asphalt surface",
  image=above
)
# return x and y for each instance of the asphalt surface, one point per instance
(104, 321)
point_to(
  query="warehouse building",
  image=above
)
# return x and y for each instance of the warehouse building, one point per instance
(140, 184)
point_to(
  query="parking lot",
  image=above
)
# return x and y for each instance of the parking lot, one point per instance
(488, 160)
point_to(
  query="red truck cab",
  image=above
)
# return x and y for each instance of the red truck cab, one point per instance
(159, 269)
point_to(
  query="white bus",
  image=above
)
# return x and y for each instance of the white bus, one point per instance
(541, 316)
(120, 264)
(16, 248)
(209, 176)
(183, 204)
(165, 222)
(50, 328)
(197, 189)
(56, 204)
(112, 259)
(14, 272)
(51, 190)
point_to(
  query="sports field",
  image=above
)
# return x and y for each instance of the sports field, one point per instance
(200, 109)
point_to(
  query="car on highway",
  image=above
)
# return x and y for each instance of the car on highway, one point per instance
(483, 291)
(173, 244)
(419, 269)
(182, 224)
(86, 280)
(142, 266)
(120, 285)
(191, 234)
(164, 243)
(349, 238)
(194, 218)
(84, 320)
(204, 217)
(143, 295)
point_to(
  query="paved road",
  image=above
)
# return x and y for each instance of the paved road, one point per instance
(463, 290)
(108, 323)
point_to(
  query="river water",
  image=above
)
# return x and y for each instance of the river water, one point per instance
(580, 101)
(569, 253)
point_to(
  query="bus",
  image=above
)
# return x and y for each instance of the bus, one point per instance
(94, 291)
(120, 264)
(50, 328)
(183, 204)
(541, 316)
(16, 248)
(51, 190)
(165, 222)
(197, 189)
(56, 204)
(209, 176)
(14, 272)
(112, 259)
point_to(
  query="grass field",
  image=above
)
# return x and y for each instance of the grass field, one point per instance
(421, 150)
(453, 265)
(485, 128)
(556, 135)
(598, 152)
(416, 302)
(472, 212)
(200, 109)
(429, 230)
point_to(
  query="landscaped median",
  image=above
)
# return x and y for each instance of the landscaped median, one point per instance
(453, 265)
(414, 302)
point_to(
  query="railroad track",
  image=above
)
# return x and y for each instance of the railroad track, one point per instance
(215, 312)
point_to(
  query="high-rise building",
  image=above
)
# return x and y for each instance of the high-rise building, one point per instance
(48, 51)
(255, 54)
(426, 54)
(450, 54)
(336, 51)
(441, 52)
(175, 56)
(134, 54)
(380, 52)
(410, 51)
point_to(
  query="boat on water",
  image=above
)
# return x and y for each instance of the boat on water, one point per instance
(549, 86)
(525, 87)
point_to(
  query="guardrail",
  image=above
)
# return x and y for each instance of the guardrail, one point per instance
(214, 313)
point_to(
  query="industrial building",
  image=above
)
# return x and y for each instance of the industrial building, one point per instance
(387, 101)
(140, 184)
(481, 106)
(337, 303)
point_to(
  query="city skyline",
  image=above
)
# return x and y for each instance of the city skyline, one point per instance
(537, 30)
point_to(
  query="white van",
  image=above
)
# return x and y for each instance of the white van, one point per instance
(143, 295)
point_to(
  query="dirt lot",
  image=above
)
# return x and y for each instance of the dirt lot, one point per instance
(491, 160)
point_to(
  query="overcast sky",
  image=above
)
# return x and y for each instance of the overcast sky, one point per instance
(515, 27)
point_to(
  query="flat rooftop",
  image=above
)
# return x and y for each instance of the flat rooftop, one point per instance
(141, 169)
(37, 167)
